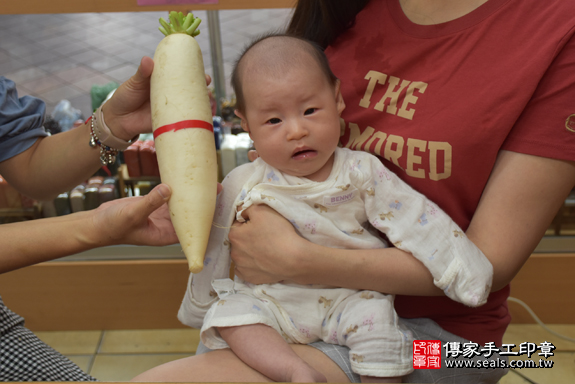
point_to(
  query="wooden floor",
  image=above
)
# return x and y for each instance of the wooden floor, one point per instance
(563, 371)
(121, 355)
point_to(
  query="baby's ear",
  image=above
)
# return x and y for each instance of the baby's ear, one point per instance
(244, 122)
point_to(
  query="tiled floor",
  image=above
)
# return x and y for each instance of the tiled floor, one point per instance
(563, 371)
(121, 355)
(61, 56)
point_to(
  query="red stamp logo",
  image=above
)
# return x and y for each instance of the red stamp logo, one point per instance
(426, 354)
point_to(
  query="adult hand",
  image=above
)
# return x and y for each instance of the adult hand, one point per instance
(128, 112)
(265, 247)
(141, 220)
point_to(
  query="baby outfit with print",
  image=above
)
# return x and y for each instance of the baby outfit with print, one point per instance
(359, 198)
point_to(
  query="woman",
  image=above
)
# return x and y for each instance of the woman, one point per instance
(467, 104)
(42, 166)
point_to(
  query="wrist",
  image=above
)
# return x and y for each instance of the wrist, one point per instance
(85, 230)
(101, 136)
(95, 233)
(302, 269)
(113, 124)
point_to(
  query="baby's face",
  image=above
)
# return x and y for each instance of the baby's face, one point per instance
(294, 120)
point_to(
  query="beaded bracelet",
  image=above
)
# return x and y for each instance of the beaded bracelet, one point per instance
(102, 136)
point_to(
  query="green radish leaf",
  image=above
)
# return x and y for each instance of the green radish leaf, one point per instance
(180, 24)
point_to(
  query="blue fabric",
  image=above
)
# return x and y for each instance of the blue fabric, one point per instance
(21, 120)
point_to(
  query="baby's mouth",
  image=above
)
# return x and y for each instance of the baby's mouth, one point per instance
(304, 153)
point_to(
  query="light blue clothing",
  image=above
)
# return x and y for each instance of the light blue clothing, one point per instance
(21, 120)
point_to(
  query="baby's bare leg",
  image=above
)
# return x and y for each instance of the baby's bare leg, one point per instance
(263, 349)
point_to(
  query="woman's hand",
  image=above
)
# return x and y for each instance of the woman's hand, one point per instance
(128, 112)
(265, 247)
(141, 220)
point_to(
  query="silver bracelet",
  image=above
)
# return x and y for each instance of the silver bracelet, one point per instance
(107, 154)
(102, 136)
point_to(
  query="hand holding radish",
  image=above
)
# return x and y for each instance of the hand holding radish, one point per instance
(141, 220)
(127, 112)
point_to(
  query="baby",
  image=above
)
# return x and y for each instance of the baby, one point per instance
(290, 103)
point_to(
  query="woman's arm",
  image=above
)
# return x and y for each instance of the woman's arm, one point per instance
(519, 203)
(141, 220)
(60, 162)
(291, 257)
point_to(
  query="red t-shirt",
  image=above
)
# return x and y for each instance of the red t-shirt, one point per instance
(436, 103)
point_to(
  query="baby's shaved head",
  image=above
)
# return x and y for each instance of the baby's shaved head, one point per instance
(273, 55)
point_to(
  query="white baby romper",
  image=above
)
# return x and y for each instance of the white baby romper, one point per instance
(341, 212)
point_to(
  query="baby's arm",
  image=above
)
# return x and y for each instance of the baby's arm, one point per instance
(415, 224)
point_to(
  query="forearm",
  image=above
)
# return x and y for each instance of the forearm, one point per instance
(53, 164)
(35, 241)
(518, 205)
(60, 162)
(387, 270)
(65, 160)
(292, 257)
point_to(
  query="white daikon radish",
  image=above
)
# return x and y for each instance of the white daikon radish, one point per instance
(183, 133)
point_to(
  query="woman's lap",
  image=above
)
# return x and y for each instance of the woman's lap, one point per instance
(422, 329)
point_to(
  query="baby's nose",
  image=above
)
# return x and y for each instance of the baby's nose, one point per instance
(297, 131)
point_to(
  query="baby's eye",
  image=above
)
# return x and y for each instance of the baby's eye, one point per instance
(274, 120)
(309, 111)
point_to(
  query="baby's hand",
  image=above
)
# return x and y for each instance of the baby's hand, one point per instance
(253, 154)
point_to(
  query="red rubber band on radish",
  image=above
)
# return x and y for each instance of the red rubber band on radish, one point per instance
(185, 124)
